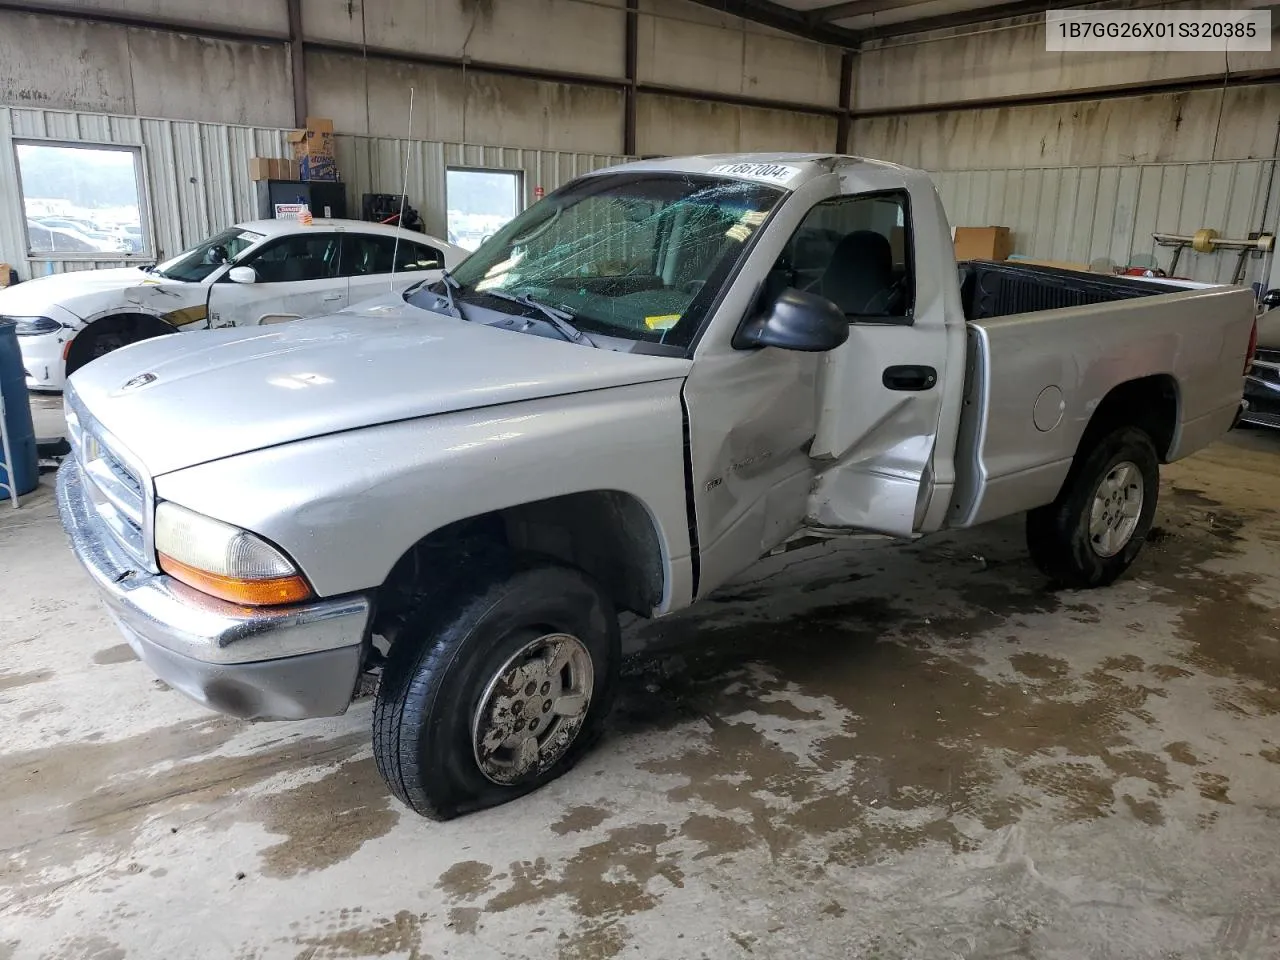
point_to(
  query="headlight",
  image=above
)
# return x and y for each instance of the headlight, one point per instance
(34, 326)
(224, 561)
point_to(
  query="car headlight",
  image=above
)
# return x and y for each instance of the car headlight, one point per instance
(224, 561)
(34, 326)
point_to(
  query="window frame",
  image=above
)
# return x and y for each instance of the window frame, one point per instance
(522, 200)
(141, 174)
(908, 317)
(247, 258)
(351, 236)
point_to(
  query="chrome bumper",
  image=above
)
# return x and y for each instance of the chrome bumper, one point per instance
(252, 662)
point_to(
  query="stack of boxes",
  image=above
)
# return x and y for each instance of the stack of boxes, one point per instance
(272, 168)
(313, 150)
(312, 158)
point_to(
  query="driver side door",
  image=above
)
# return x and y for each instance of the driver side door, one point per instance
(297, 275)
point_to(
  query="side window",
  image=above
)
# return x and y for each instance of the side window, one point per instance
(856, 252)
(366, 255)
(301, 256)
(418, 256)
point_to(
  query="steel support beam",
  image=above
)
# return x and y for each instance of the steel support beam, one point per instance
(846, 96)
(1243, 79)
(298, 61)
(858, 8)
(631, 61)
(783, 18)
(961, 18)
(146, 22)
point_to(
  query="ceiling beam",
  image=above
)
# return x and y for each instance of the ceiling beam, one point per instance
(857, 8)
(961, 18)
(778, 17)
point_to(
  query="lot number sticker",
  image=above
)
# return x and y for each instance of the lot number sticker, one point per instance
(769, 172)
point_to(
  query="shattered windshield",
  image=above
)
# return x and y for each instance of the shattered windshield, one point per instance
(197, 263)
(640, 256)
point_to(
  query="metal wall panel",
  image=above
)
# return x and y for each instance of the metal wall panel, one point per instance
(197, 174)
(1083, 214)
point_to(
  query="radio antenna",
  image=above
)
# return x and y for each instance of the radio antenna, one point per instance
(404, 189)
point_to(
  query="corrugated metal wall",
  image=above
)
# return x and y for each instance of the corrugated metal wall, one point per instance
(197, 174)
(1082, 214)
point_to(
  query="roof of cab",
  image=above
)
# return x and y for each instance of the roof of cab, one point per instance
(788, 170)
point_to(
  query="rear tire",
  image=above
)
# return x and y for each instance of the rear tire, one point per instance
(1096, 527)
(454, 687)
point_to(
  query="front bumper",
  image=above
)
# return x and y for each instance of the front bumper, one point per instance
(42, 360)
(260, 663)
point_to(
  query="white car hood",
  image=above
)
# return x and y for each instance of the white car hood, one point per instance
(214, 394)
(33, 297)
(89, 294)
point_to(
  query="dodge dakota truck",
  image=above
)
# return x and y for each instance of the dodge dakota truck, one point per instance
(634, 390)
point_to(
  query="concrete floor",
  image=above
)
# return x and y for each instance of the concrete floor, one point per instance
(862, 750)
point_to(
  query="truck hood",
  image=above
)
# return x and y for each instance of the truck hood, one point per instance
(33, 297)
(181, 400)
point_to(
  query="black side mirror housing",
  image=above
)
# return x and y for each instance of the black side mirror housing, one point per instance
(1271, 299)
(796, 320)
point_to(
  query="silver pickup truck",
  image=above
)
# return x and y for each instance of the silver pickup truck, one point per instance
(633, 391)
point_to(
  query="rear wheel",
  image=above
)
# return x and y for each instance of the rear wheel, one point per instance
(1096, 527)
(496, 687)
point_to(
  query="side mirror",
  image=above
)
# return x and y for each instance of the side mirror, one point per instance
(1271, 299)
(796, 320)
(242, 275)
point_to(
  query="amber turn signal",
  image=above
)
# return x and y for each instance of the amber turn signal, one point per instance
(252, 593)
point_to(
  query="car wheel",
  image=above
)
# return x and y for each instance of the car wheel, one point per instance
(496, 688)
(1096, 527)
(109, 334)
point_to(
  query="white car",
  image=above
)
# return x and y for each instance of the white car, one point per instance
(266, 271)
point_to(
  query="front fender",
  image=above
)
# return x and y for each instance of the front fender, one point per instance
(347, 506)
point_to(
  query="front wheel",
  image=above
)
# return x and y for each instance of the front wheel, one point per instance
(496, 688)
(1096, 527)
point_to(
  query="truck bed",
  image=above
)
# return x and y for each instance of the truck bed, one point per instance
(1045, 348)
(1000, 289)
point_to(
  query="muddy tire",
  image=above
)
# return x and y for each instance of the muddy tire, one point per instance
(495, 688)
(1095, 529)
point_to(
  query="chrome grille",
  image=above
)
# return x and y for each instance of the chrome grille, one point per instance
(115, 488)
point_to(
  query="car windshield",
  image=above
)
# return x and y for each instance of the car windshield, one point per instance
(636, 255)
(197, 263)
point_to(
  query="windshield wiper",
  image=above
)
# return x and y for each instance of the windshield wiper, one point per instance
(562, 320)
(450, 283)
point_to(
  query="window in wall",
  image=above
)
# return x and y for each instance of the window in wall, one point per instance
(82, 200)
(856, 252)
(479, 203)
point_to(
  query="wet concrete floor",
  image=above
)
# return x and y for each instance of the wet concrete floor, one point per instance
(859, 750)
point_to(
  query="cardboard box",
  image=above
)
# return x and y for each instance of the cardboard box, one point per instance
(983, 243)
(317, 168)
(284, 168)
(6, 274)
(260, 168)
(316, 140)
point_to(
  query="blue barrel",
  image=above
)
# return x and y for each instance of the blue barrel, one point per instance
(24, 472)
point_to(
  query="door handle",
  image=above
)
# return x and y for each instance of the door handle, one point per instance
(332, 296)
(909, 377)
